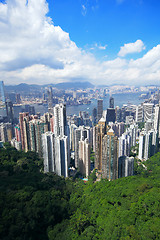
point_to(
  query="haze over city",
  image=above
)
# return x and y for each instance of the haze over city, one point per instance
(103, 42)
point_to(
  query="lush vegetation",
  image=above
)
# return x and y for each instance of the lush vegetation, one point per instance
(34, 205)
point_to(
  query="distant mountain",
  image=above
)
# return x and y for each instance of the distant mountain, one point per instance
(23, 87)
(74, 85)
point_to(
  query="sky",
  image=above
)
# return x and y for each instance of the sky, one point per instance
(101, 41)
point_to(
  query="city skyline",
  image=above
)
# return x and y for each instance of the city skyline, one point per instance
(111, 42)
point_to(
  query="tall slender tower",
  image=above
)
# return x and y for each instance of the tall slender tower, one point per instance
(2, 93)
(22, 116)
(84, 157)
(60, 120)
(50, 98)
(100, 130)
(99, 108)
(48, 152)
(61, 156)
(110, 156)
(111, 102)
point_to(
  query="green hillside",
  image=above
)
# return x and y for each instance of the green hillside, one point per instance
(38, 206)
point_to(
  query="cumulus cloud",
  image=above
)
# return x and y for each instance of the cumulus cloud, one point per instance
(128, 48)
(34, 50)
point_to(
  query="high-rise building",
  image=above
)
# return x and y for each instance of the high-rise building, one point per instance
(48, 152)
(81, 132)
(157, 119)
(60, 120)
(2, 93)
(111, 102)
(118, 114)
(148, 144)
(73, 127)
(125, 166)
(84, 157)
(23, 116)
(141, 146)
(6, 132)
(139, 113)
(61, 156)
(94, 115)
(110, 156)
(50, 98)
(124, 145)
(9, 111)
(18, 98)
(100, 130)
(148, 111)
(118, 128)
(99, 108)
(111, 115)
(17, 133)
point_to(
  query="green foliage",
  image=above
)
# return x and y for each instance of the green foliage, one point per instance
(34, 205)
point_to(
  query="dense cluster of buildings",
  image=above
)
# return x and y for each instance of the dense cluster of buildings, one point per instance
(65, 141)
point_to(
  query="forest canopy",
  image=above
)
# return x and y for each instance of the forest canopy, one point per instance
(34, 205)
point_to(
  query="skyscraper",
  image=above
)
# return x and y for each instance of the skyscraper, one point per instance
(2, 93)
(84, 157)
(148, 111)
(111, 102)
(100, 130)
(110, 156)
(139, 113)
(50, 98)
(111, 115)
(60, 120)
(61, 156)
(48, 152)
(22, 116)
(125, 166)
(9, 111)
(99, 108)
(80, 133)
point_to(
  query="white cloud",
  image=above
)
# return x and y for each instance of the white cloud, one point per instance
(98, 46)
(84, 10)
(128, 48)
(33, 50)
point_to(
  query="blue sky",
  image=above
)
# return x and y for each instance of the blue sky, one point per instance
(108, 22)
(101, 41)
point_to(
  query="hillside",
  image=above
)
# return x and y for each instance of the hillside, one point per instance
(23, 87)
(34, 205)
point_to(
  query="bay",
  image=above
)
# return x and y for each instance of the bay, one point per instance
(119, 100)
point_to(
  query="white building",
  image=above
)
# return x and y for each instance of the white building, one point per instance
(139, 113)
(148, 111)
(61, 156)
(84, 157)
(48, 152)
(60, 120)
